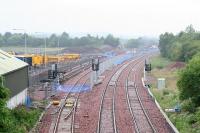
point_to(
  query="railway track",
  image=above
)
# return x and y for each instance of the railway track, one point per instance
(158, 121)
(142, 122)
(124, 106)
(107, 111)
(107, 115)
(145, 115)
(52, 117)
(124, 121)
(65, 118)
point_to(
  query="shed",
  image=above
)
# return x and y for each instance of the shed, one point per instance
(15, 74)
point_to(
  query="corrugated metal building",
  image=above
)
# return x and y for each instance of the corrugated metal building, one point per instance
(15, 73)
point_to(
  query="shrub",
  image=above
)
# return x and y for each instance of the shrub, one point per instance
(188, 82)
(165, 92)
(188, 105)
(18, 120)
(192, 119)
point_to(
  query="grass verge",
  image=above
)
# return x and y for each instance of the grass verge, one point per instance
(169, 97)
(159, 62)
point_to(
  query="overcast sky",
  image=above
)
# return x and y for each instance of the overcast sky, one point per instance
(130, 18)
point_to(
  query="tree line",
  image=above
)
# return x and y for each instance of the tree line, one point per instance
(185, 46)
(64, 40)
(140, 42)
(180, 47)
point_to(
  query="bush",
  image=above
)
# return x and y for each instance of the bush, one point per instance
(188, 82)
(188, 105)
(197, 114)
(26, 117)
(192, 119)
(165, 92)
(18, 120)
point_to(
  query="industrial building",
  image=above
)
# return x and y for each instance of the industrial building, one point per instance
(15, 74)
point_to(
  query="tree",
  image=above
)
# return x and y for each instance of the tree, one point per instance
(132, 43)
(180, 47)
(189, 79)
(4, 93)
(5, 122)
(53, 40)
(190, 29)
(175, 51)
(1, 40)
(7, 35)
(164, 43)
(110, 40)
(65, 40)
(17, 39)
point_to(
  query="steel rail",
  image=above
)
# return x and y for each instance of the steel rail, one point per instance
(101, 108)
(113, 99)
(129, 104)
(101, 105)
(62, 106)
(75, 107)
(144, 110)
(141, 104)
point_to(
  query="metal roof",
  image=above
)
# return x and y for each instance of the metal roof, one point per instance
(9, 63)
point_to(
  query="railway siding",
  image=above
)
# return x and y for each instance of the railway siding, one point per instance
(120, 104)
(155, 116)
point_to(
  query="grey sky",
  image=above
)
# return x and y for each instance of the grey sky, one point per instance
(119, 17)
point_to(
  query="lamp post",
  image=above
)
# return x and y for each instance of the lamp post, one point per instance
(25, 41)
(45, 46)
(58, 47)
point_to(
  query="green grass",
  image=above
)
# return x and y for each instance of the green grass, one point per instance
(185, 122)
(166, 100)
(159, 62)
(31, 50)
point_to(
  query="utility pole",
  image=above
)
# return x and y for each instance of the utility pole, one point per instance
(45, 54)
(58, 47)
(45, 45)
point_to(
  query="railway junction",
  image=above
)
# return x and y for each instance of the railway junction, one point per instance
(104, 96)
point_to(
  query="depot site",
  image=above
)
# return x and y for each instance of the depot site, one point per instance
(85, 92)
(99, 66)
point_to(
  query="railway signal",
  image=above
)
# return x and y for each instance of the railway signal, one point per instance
(95, 64)
(95, 69)
(147, 66)
(52, 74)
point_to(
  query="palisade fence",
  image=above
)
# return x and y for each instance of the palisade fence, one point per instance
(36, 75)
(108, 64)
